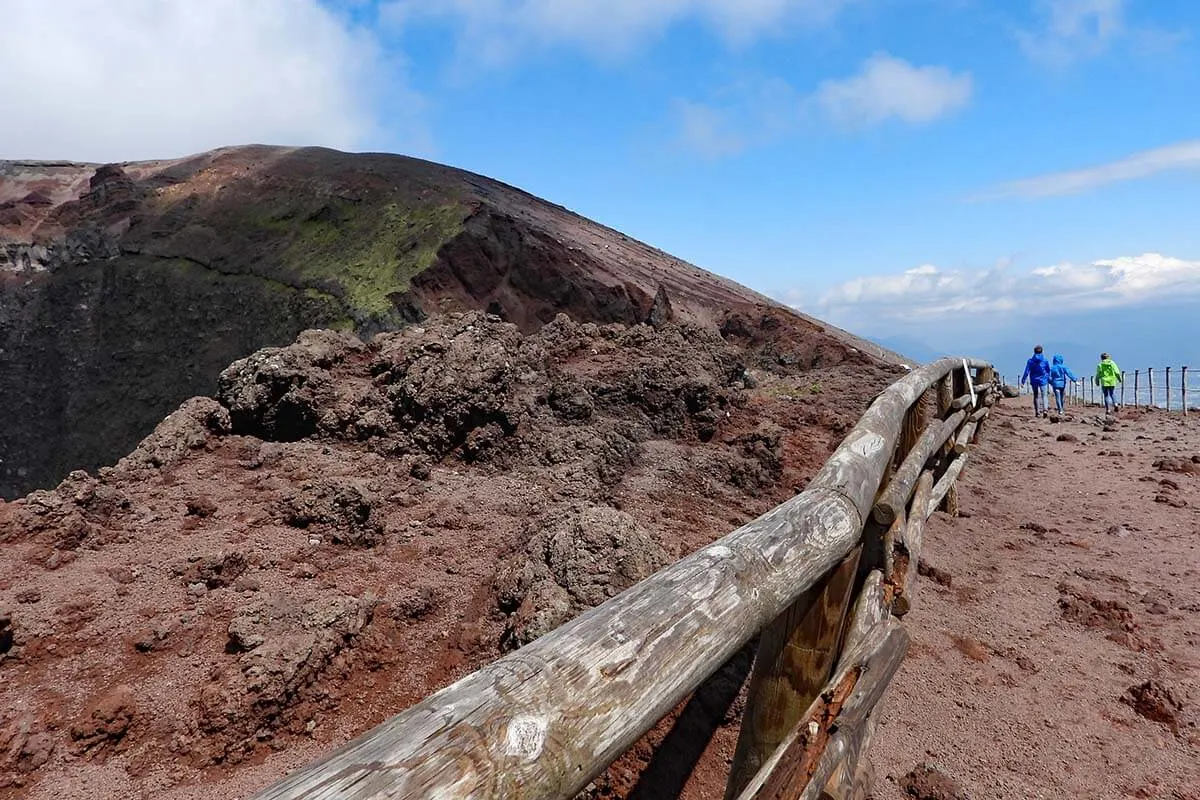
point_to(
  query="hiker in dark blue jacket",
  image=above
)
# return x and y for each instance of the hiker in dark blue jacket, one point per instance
(1037, 372)
(1060, 373)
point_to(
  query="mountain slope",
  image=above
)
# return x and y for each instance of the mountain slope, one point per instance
(125, 289)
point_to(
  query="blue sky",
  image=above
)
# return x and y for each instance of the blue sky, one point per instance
(900, 167)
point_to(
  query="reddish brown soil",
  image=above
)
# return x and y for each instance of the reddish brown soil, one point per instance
(1061, 659)
(358, 526)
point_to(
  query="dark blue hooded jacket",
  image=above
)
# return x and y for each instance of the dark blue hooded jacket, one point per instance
(1037, 370)
(1060, 373)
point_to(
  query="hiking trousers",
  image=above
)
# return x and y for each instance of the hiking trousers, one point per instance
(1059, 397)
(1039, 398)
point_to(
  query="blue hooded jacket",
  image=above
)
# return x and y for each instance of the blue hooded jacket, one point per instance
(1060, 373)
(1037, 370)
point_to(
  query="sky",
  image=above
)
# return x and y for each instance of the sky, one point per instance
(952, 173)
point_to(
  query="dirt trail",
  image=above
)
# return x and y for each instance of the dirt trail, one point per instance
(1060, 658)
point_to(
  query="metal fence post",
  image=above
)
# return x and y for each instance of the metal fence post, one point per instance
(1183, 388)
(1136, 374)
(1168, 385)
(1150, 386)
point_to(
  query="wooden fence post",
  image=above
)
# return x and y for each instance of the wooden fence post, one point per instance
(915, 420)
(1122, 388)
(1150, 385)
(876, 546)
(1136, 375)
(1183, 387)
(958, 386)
(796, 655)
(985, 377)
(1168, 385)
(945, 396)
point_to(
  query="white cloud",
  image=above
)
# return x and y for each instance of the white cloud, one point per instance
(130, 79)
(1070, 31)
(739, 117)
(1179, 156)
(928, 292)
(707, 130)
(885, 88)
(1073, 29)
(495, 31)
(891, 88)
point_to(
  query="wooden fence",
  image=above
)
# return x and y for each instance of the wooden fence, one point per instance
(823, 580)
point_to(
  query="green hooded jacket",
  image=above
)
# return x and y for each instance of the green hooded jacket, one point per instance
(1108, 373)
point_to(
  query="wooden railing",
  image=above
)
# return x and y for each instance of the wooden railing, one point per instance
(825, 578)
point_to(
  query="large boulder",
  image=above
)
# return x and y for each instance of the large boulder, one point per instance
(279, 393)
(577, 558)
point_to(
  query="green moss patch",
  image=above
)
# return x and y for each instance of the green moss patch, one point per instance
(364, 254)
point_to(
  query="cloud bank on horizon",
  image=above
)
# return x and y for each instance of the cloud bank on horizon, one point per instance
(927, 293)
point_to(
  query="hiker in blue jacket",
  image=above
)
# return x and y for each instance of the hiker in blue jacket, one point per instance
(1060, 373)
(1037, 372)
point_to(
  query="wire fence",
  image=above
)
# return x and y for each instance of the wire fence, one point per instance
(1168, 388)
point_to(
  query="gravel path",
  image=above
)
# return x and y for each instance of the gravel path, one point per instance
(1060, 658)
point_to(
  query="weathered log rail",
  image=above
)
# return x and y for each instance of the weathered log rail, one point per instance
(825, 578)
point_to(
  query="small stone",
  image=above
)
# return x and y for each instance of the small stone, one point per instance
(927, 782)
(1173, 502)
(197, 589)
(29, 596)
(415, 604)
(247, 583)
(304, 571)
(151, 639)
(122, 575)
(1155, 701)
(202, 507)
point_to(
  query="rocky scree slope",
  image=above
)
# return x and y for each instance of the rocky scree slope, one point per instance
(349, 526)
(126, 288)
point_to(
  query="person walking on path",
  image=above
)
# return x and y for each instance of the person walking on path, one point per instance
(1060, 373)
(1037, 372)
(1108, 375)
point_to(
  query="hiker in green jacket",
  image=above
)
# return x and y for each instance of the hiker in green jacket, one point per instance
(1108, 375)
